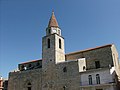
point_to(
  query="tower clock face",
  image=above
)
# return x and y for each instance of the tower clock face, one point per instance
(54, 31)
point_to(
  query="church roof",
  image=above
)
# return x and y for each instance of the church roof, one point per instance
(53, 22)
(90, 49)
(31, 61)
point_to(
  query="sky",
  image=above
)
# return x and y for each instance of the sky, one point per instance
(84, 24)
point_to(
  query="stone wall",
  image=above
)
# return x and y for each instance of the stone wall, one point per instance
(21, 80)
(103, 55)
(68, 75)
(62, 75)
(30, 65)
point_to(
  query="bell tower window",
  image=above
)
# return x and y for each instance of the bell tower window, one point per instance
(48, 43)
(60, 43)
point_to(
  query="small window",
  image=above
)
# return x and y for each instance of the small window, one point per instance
(64, 69)
(97, 64)
(84, 68)
(60, 43)
(29, 88)
(90, 79)
(48, 43)
(97, 79)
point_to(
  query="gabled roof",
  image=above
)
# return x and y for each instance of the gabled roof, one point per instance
(53, 22)
(31, 61)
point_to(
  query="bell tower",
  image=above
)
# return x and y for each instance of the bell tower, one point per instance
(52, 44)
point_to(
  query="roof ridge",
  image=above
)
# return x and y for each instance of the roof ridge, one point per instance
(90, 49)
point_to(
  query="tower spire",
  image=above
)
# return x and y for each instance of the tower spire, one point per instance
(53, 22)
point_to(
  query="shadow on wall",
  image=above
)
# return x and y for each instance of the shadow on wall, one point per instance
(117, 80)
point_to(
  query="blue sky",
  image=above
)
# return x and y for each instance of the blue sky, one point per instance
(84, 24)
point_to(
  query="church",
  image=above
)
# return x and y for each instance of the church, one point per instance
(91, 69)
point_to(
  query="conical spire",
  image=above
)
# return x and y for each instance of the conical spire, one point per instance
(53, 21)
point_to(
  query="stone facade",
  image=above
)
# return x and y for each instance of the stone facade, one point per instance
(106, 82)
(59, 71)
(102, 54)
(22, 80)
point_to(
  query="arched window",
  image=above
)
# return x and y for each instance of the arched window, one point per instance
(90, 79)
(29, 86)
(60, 43)
(48, 43)
(83, 67)
(97, 79)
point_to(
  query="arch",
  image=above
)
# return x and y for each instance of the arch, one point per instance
(48, 42)
(90, 79)
(60, 46)
(28, 85)
(27, 82)
(97, 78)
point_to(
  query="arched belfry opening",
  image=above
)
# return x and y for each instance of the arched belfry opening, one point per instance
(52, 44)
(60, 46)
(48, 42)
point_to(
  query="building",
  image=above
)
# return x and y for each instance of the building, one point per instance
(3, 84)
(90, 69)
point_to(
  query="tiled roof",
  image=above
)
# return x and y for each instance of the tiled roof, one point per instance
(31, 61)
(53, 22)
